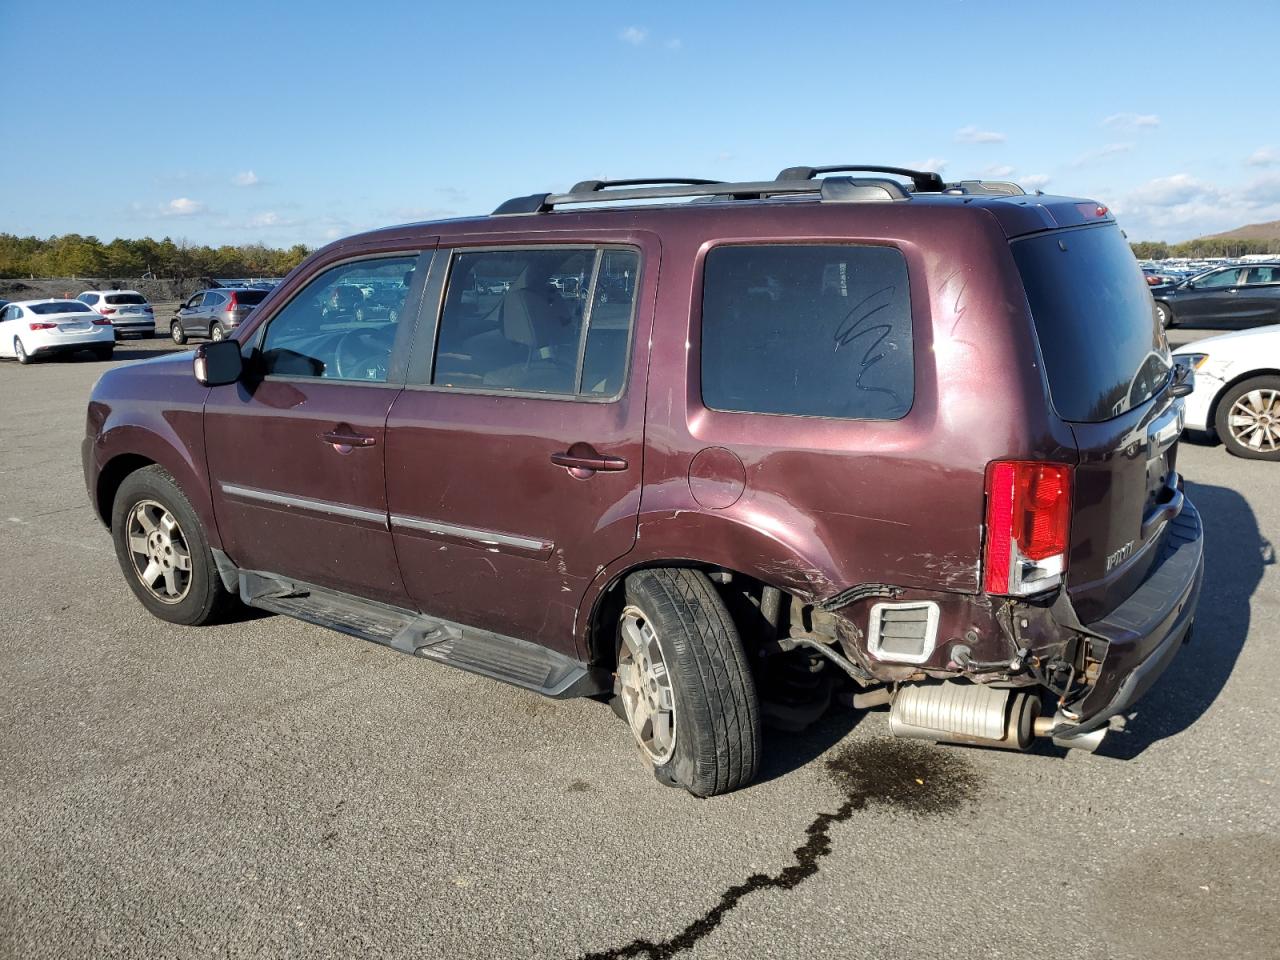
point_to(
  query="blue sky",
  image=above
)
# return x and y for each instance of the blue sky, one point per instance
(281, 123)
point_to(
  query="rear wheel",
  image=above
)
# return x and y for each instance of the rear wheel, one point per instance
(1165, 313)
(163, 550)
(20, 352)
(684, 684)
(177, 333)
(1248, 419)
(216, 332)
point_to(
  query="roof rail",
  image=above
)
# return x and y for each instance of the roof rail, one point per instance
(922, 180)
(590, 186)
(989, 188)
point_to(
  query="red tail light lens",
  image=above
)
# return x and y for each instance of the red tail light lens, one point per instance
(43, 326)
(232, 303)
(107, 311)
(102, 322)
(1028, 526)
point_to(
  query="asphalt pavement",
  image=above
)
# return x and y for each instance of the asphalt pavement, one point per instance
(267, 788)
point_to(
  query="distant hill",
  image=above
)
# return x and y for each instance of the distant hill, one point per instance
(1253, 231)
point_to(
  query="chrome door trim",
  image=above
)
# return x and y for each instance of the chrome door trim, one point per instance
(346, 511)
(484, 538)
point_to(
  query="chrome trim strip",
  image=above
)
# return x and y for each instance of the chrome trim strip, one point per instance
(304, 503)
(488, 538)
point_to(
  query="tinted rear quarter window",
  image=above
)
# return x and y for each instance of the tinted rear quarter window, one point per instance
(807, 330)
(1100, 339)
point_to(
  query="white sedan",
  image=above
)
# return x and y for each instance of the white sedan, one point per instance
(30, 329)
(1237, 391)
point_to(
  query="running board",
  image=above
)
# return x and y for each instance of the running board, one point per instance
(488, 654)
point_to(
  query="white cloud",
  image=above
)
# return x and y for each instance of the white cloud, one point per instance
(1110, 150)
(246, 178)
(1172, 191)
(675, 43)
(972, 134)
(183, 207)
(934, 164)
(1180, 206)
(1264, 157)
(1000, 171)
(635, 36)
(1034, 181)
(1131, 121)
(269, 218)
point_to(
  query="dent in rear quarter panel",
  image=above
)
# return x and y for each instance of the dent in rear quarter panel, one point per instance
(155, 409)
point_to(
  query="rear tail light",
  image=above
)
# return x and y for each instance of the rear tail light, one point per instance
(232, 304)
(102, 322)
(107, 311)
(43, 326)
(1028, 526)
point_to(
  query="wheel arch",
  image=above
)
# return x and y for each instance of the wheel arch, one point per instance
(1212, 416)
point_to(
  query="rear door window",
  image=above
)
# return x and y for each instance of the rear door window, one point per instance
(1102, 346)
(807, 330)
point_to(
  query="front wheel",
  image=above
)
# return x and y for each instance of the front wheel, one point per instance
(1165, 313)
(684, 684)
(177, 333)
(1248, 419)
(163, 550)
(20, 352)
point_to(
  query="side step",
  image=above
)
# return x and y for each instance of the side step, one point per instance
(492, 655)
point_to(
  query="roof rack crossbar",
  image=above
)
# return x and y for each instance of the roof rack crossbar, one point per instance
(923, 181)
(544, 202)
(590, 186)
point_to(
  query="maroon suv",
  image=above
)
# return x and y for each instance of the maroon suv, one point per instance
(701, 457)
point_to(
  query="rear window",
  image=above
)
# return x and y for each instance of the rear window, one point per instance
(250, 297)
(124, 298)
(1102, 346)
(60, 306)
(808, 331)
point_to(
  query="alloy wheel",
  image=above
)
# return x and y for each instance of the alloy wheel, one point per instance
(216, 333)
(646, 691)
(158, 548)
(1254, 420)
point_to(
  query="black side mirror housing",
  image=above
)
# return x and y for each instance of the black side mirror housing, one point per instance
(218, 363)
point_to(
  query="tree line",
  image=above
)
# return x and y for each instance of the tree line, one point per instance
(73, 255)
(1205, 247)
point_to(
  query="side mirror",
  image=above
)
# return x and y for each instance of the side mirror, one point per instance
(218, 363)
(1190, 284)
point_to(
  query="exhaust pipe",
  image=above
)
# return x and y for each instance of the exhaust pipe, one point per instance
(965, 713)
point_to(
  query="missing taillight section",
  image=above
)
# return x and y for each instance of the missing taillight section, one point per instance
(1028, 526)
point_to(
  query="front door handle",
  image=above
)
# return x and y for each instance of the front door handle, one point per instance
(582, 461)
(344, 440)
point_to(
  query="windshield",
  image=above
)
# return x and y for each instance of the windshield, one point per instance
(115, 299)
(59, 306)
(1103, 349)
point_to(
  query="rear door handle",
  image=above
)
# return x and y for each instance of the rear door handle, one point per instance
(585, 464)
(344, 441)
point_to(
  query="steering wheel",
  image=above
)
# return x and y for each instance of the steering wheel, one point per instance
(363, 354)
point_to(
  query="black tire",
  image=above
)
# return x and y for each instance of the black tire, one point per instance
(103, 353)
(177, 332)
(717, 713)
(1165, 313)
(20, 352)
(216, 331)
(206, 599)
(1236, 438)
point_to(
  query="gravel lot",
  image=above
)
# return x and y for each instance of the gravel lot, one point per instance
(270, 789)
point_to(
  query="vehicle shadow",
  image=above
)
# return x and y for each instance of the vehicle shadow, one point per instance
(1236, 554)
(786, 752)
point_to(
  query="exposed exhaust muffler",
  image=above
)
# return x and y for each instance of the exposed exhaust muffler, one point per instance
(965, 713)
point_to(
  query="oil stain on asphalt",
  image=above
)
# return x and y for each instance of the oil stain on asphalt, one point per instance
(915, 778)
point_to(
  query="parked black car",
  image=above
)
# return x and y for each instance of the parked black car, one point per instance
(1247, 294)
(214, 313)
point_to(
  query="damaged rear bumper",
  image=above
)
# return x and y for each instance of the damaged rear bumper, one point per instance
(1142, 635)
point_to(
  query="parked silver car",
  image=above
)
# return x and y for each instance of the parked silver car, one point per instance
(214, 313)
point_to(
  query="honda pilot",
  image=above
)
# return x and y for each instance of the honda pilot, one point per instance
(717, 453)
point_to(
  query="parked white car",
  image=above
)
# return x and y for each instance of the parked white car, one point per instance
(128, 310)
(1237, 391)
(32, 329)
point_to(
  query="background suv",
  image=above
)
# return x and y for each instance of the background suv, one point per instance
(882, 432)
(213, 313)
(128, 311)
